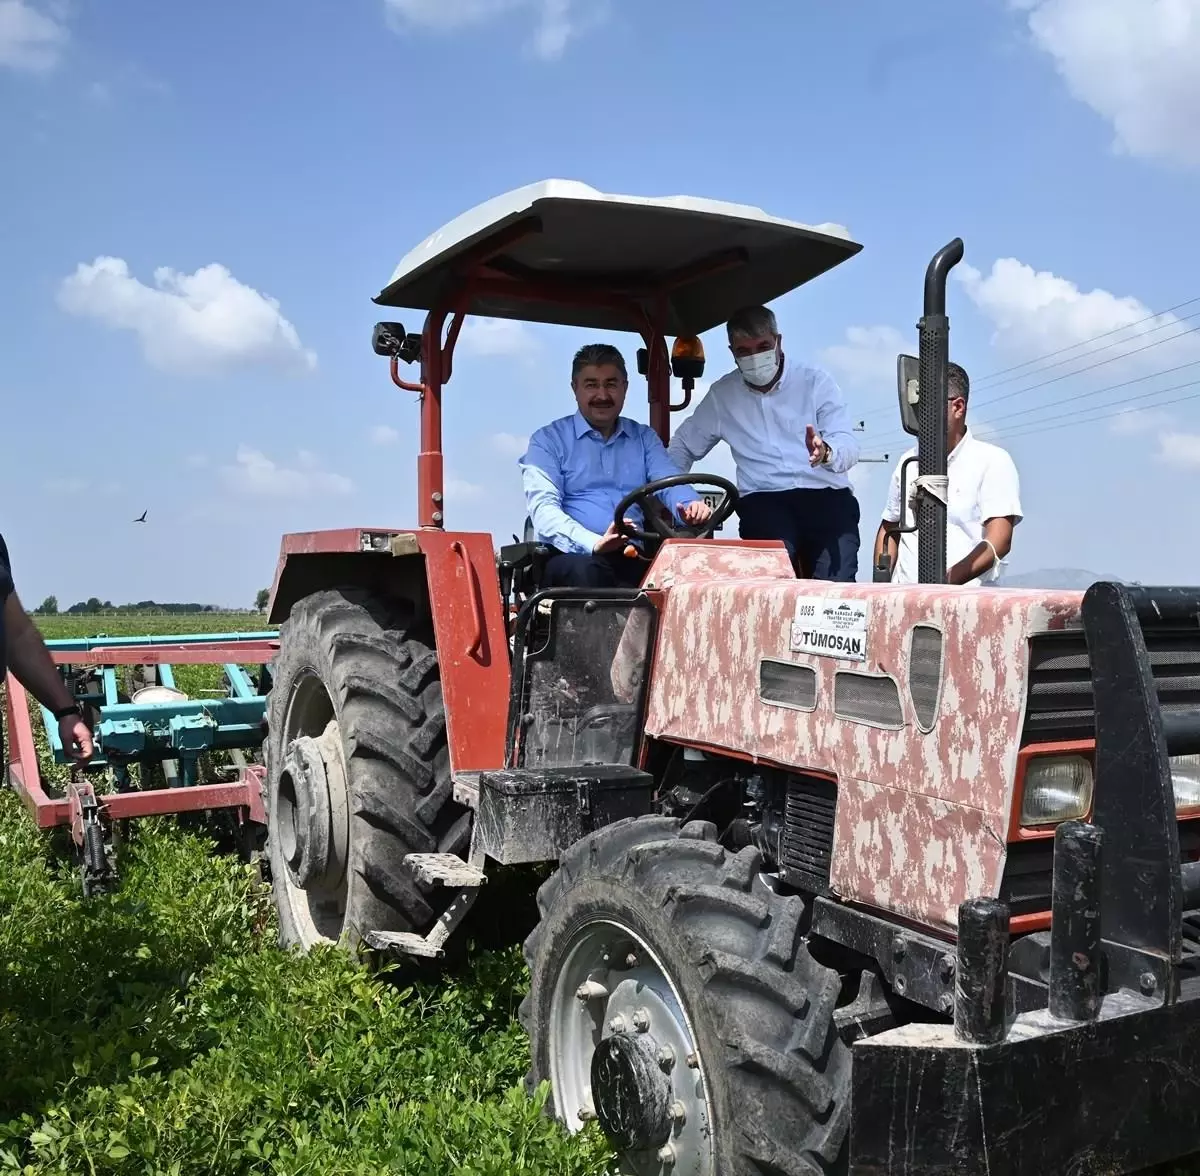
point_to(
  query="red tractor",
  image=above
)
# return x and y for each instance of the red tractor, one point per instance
(860, 878)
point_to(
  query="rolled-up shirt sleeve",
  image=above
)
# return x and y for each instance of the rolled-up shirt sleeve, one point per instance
(541, 478)
(834, 423)
(1000, 489)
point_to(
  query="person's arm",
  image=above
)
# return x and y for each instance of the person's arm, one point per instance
(696, 436)
(659, 464)
(893, 512)
(885, 538)
(541, 477)
(1000, 507)
(834, 425)
(30, 663)
(984, 556)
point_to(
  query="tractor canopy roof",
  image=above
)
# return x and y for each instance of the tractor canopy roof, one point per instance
(561, 252)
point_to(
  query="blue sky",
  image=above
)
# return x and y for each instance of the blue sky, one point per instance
(199, 202)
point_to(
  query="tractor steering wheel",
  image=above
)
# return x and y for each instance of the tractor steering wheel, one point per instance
(664, 529)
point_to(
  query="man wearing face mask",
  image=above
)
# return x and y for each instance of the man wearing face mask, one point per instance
(579, 467)
(790, 433)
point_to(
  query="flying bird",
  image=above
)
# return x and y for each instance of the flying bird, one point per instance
(142, 517)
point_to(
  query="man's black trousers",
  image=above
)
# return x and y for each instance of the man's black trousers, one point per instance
(819, 528)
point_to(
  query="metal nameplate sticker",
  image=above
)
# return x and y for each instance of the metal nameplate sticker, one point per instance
(830, 627)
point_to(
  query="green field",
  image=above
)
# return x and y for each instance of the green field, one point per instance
(160, 1029)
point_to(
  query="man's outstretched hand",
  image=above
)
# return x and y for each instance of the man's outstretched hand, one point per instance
(817, 448)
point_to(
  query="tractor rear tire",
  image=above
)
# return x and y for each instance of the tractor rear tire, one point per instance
(731, 1064)
(355, 676)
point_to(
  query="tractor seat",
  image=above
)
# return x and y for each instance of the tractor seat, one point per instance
(524, 561)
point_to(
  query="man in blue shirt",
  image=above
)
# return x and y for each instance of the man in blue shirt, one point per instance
(579, 467)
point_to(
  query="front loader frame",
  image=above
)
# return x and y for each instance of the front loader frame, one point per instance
(1101, 1077)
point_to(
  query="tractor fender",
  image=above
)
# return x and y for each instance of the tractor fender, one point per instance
(448, 579)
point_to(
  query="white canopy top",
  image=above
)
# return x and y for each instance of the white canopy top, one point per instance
(707, 258)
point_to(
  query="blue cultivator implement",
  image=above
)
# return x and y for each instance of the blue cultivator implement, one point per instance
(146, 728)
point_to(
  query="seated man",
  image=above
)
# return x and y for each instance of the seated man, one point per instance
(579, 467)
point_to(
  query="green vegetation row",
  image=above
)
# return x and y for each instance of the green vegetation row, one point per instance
(161, 1030)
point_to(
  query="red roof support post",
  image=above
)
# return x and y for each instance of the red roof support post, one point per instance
(430, 489)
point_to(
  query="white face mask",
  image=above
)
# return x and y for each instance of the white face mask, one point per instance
(760, 368)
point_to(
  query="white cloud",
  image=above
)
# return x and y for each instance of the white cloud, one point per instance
(494, 338)
(253, 472)
(1035, 312)
(1133, 421)
(1180, 449)
(384, 435)
(556, 22)
(868, 356)
(459, 490)
(30, 39)
(509, 444)
(1134, 63)
(204, 320)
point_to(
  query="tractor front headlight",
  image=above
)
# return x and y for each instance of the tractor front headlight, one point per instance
(1057, 788)
(1185, 776)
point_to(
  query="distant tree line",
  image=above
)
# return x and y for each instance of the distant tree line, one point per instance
(94, 605)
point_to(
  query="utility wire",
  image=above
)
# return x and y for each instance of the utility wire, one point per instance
(1031, 412)
(992, 380)
(1097, 350)
(1083, 342)
(1029, 430)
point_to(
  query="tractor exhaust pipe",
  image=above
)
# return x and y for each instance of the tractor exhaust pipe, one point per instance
(934, 356)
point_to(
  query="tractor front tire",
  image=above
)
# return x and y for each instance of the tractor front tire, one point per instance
(358, 772)
(673, 999)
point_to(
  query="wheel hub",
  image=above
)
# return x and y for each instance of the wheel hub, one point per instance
(623, 1052)
(632, 1094)
(312, 787)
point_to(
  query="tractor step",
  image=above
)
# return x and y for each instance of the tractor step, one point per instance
(446, 869)
(403, 941)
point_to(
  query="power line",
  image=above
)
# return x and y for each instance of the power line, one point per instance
(1096, 351)
(1093, 339)
(1027, 430)
(1029, 412)
(1092, 367)
(1033, 428)
(1094, 392)
(992, 380)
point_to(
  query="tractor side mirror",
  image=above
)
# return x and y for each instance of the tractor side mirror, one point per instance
(387, 339)
(908, 389)
(391, 340)
(643, 361)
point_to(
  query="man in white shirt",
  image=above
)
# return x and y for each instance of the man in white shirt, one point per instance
(983, 501)
(792, 441)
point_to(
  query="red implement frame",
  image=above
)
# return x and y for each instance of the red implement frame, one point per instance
(24, 774)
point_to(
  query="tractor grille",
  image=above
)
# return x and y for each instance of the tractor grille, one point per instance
(1028, 875)
(808, 831)
(1060, 704)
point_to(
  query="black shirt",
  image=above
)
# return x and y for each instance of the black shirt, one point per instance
(6, 588)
